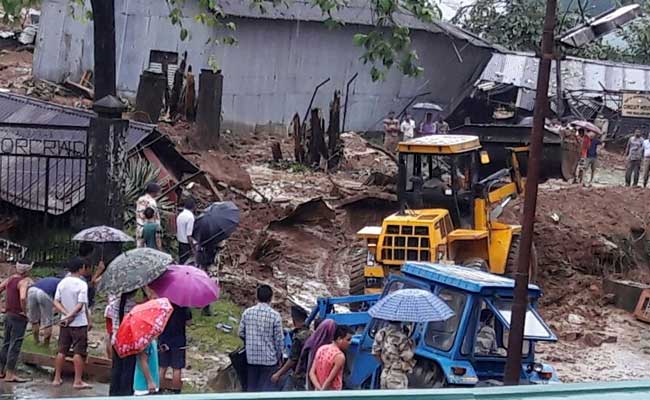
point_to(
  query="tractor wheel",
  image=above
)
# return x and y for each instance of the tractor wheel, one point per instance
(513, 259)
(357, 280)
(426, 375)
(477, 264)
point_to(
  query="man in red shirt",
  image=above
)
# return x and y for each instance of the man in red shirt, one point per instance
(15, 320)
(584, 141)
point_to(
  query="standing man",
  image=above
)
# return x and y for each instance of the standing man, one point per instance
(394, 349)
(584, 141)
(391, 132)
(408, 127)
(148, 200)
(173, 342)
(39, 308)
(592, 155)
(428, 127)
(184, 228)
(71, 300)
(646, 161)
(261, 330)
(15, 321)
(299, 335)
(442, 127)
(634, 154)
(190, 95)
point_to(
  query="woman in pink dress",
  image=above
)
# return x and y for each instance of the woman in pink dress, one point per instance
(326, 372)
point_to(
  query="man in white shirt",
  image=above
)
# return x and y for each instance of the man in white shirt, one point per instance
(407, 127)
(71, 300)
(646, 160)
(184, 228)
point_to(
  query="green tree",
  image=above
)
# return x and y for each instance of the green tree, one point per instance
(12, 8)
(517, 25)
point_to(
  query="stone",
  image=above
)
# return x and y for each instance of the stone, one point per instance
(571, 336)
(610, 339)
(593, 339)
(576, 319)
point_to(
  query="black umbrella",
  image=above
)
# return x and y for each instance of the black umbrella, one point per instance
(217, 223)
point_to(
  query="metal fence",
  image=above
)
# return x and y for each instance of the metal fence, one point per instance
(589, 391)
(42, 182)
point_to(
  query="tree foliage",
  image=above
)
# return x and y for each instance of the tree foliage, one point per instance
(11, 9)
(517, 25)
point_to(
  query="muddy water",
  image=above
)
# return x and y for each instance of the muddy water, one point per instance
(42, 389)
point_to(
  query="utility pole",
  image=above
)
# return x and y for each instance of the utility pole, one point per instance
(520, 302)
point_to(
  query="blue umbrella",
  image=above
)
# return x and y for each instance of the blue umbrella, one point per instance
(411, 305)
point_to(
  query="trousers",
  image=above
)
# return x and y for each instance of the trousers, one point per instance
(15, 326)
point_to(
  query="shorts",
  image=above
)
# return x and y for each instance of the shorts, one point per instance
(174, 358)
(39, 307)
(591, 163)
(75, 338)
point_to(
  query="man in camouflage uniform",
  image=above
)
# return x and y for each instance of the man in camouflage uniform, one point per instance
(394, 349)
(391, 133)
(486, 339)
(299, 335)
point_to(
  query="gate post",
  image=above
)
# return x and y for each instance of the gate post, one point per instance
(107, 158)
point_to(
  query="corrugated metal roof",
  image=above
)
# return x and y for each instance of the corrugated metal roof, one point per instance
(19, 109)
(354, 12)
(23, 178)
(520, 69)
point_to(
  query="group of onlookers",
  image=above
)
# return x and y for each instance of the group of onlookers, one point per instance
(317, 360)
(394, 130)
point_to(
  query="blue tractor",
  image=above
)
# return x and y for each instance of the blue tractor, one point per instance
(446, 351)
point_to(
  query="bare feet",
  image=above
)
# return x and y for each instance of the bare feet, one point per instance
(57, 382)
(82, 385)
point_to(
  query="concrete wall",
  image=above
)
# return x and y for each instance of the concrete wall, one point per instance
(273, 70)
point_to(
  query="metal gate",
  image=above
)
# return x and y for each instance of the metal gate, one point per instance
(42, 183)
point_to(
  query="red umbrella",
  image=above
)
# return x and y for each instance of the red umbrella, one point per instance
(141, 326)
(186, 286)
(587, 125)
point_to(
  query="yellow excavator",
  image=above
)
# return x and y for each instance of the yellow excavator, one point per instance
(448, 213)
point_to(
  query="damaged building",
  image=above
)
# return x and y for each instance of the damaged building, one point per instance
(281, 56)
(43, 171)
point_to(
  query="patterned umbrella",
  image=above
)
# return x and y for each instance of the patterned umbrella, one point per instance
(102, 234)
(186, 286)
(411, 305)
(587, 125)
(134, 269)
(140, 326)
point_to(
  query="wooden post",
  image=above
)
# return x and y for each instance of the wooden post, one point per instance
(208, 118)
(334, 131)
(298, 139)
(149, 100)
(104, 47)
(276, 150)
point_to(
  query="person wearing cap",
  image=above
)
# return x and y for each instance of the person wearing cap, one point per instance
(148, 200)
(16, 287)
(299, 335)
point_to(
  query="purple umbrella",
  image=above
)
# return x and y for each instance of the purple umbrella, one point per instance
(186, 286)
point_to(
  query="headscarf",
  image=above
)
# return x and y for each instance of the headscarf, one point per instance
(23, 268)
(324, 334)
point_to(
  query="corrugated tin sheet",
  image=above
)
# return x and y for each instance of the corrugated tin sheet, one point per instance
(520, 69)
(354, 12)
(29, 181)
(19, 109)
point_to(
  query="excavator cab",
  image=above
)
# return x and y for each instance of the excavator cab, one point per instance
(449, 212)
(440, 171)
